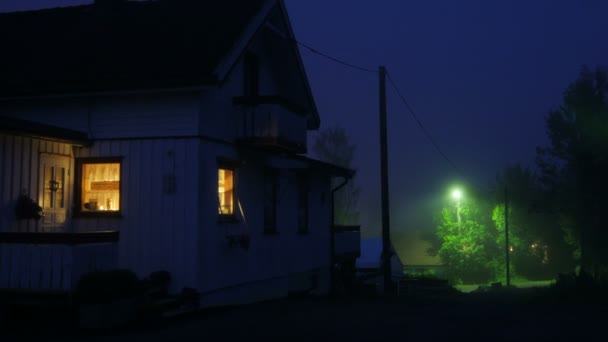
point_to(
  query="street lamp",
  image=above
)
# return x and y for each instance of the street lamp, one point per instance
(457, 195)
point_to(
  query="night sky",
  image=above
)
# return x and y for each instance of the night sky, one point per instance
(480, 74)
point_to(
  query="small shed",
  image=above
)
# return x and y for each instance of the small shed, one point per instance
(371, 257)
(415, 248)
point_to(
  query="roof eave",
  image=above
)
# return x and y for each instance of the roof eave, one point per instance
(314, 122)
(42, 131)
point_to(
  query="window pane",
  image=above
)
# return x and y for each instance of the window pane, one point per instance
(270, 200)
(47, 202)
(60, 179)
(225, 191)
(101, 186)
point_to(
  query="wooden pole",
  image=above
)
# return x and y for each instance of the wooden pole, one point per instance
(386, 238)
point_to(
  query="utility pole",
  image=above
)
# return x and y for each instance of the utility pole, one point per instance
(507, 249)
(386, 230)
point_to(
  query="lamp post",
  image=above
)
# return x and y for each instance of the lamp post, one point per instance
(457, 195)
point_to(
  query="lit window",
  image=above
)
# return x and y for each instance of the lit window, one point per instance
(99, 185)
(225, 191)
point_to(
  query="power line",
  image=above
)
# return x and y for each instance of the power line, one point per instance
(428, 134)
(339, 61)
(403, 99)
(421, 125)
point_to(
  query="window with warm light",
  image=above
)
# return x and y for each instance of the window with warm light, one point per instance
(98, 185)
(225, 191)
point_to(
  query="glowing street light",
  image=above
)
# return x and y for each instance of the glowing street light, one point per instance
(457, 194)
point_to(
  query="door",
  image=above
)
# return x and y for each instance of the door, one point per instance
(54, 176)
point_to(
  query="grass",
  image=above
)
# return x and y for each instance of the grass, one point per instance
(520, 283)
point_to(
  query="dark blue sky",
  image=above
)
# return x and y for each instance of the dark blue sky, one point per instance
(481, 75)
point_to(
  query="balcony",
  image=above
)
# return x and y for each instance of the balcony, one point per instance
(271, 122)
(347, 242)
(53, 261)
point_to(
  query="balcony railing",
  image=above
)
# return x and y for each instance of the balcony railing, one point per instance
(54, 261)
(347, 241)
(273, 123)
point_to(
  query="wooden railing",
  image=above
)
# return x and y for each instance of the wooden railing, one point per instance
(347, 241)
(272, 124)
(54, 261)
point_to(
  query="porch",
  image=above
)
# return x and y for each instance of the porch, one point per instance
(54, 261)
(271, 122)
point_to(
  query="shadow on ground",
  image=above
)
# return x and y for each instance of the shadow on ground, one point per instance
(500, 314)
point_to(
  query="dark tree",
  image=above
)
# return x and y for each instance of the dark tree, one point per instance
(538, 247)
(575, 166)
(333, 145)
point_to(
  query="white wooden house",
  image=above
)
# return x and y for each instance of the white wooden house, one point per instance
(162, 135)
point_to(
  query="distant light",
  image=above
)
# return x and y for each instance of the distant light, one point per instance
(457, 194)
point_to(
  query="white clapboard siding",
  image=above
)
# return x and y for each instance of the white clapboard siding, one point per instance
(125, 116)
(270, 259)
(158, 230)
(19, 172)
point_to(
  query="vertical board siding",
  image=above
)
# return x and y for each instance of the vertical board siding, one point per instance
(158, 230)
(56, 267)
(280, 261)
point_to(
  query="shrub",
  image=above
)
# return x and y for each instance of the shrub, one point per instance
(106, 286)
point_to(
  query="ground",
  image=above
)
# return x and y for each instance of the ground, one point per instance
(500, 316)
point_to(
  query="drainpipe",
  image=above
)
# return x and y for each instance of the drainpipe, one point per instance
(332, 238)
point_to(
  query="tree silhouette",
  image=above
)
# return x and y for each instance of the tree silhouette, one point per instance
(333, 145)
(574, 167)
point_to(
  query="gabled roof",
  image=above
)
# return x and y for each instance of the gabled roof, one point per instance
(119, 45)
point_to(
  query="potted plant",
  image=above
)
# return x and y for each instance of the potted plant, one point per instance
(26, 208)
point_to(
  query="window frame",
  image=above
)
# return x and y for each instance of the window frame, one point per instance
(79, 163)
(303, 202)
(271, 178)
(232, 166)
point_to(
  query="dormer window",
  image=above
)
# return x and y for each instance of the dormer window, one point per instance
(251, 75)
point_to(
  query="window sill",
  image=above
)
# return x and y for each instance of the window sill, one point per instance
(97, 214)
(227, 219)
(271, 232)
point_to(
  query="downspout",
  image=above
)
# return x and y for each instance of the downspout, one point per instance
(332, 238)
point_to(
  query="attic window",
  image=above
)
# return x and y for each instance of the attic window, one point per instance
(251, 75)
